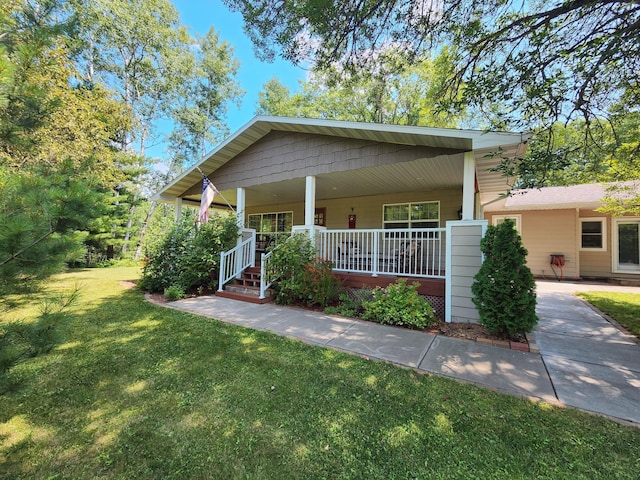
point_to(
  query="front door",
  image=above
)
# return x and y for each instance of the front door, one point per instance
(627, 254)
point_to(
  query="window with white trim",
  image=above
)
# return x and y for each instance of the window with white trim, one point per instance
(411, 215)
(278, 222)
(517, 220)
(593, 234)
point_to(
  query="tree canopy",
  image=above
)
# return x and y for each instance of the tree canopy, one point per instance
(386, 94)
(543, 61)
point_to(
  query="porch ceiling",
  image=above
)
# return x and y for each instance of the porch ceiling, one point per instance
(429, 174)
(445, 171)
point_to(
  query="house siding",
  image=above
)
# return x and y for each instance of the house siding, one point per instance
(464, 259)
(547, 232)
(283, 155)
(597, 264)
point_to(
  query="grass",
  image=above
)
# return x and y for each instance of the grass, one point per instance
(141, 391)
(624, 308)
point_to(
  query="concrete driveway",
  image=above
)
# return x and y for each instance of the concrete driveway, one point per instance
(592, 364)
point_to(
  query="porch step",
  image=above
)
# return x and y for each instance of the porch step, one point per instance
(246, 288)
(244, 297)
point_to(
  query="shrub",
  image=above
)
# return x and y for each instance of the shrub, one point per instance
(174, 292)
(504, 288)
(300, 277)
(399, 304)
(351, 302)
(189, 257)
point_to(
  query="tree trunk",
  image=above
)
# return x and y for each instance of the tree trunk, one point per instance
(143, 230)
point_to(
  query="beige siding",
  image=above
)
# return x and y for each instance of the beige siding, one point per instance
(597, 264)
(546, 232)
(368, 210)
(283, 155)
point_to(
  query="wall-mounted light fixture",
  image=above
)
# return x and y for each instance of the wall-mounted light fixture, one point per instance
(460, 213)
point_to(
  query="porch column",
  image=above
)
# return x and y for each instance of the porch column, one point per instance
(468, 185)
(241, 200)
(310, 205)
(178, 208)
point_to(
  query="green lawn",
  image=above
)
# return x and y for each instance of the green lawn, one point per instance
(624, 308)
(138, 391)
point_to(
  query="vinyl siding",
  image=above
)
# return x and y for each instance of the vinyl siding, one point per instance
(546, 232)
(465, 261)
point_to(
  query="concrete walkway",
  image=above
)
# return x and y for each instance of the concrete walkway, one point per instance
(583, 362)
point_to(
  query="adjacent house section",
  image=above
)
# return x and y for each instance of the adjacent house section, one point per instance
(567, 237)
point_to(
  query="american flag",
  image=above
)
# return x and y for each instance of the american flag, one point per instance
(208, 193)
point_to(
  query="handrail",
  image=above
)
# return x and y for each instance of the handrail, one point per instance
(234, 261)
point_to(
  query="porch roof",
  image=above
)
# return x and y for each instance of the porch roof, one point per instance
(444, 171)
(586, 196)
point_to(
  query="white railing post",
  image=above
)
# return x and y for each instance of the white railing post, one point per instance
(376, 254)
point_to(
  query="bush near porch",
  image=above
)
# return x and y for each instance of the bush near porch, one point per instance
(188, 258)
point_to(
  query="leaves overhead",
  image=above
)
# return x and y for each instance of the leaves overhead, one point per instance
(543, 60)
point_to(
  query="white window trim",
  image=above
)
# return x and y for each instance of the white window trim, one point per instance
(269, 213)
(409, 221)
(615, 267)
(516, 217)
(603, 220)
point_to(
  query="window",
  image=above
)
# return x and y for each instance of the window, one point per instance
(593, 234)
(320, 217)
(278, 222)
(517, 219)
(411, 215)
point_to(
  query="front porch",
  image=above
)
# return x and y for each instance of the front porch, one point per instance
(373, 179)
(440, 259)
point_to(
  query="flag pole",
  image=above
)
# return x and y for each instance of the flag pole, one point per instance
(217, 191)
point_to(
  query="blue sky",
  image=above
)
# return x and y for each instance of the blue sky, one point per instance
(199, 15)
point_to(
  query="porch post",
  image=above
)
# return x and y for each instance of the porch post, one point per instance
(310, 205)
(241, 200)
(468, 185)
(178, 208)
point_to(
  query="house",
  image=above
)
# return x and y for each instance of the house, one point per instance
(380, 201)
(567, 237)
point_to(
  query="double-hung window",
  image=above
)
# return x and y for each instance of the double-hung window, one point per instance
(593, 234)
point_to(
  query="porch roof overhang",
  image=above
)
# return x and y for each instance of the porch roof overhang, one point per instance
(443, 171)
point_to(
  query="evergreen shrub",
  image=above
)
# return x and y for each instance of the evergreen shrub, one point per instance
(504, 288)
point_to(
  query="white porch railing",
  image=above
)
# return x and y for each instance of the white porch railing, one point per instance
(410, 252)
(234, 261)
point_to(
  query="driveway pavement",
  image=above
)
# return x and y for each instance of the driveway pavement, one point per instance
(584, 361)
(592, 364)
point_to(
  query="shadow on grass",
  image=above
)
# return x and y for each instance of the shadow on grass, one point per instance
(142, 391)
